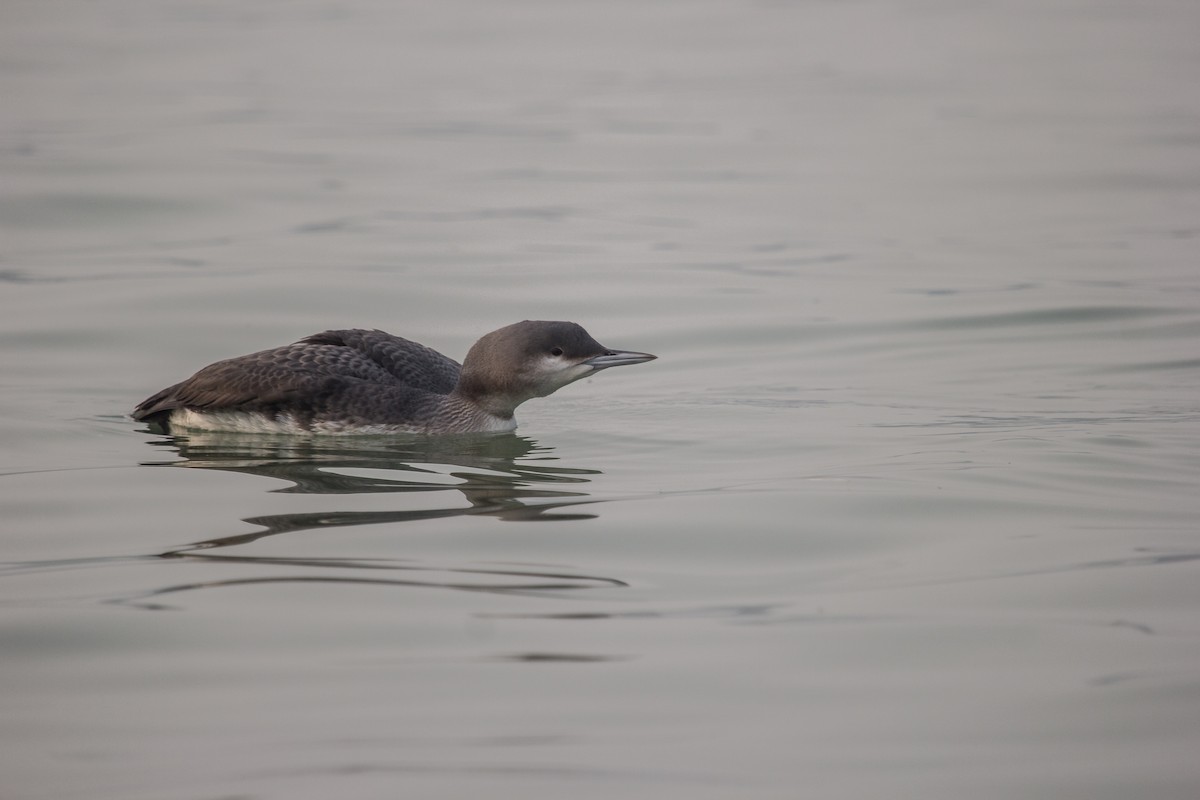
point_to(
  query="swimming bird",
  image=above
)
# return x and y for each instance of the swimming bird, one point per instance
(368, 381)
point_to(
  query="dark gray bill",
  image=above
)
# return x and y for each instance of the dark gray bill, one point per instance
(618, 358)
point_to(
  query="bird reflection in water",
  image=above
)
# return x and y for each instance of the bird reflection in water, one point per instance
(501, 475)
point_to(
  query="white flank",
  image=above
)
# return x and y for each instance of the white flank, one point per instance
(243, 422)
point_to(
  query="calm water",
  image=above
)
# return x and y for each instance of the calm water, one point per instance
(907, 507)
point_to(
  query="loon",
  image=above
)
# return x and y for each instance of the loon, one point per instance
(371, 382)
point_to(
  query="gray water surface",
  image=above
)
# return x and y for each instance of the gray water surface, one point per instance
(907, 507)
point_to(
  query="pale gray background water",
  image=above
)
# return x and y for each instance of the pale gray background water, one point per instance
(907, 507)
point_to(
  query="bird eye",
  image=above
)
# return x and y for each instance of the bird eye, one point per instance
(557, 351)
